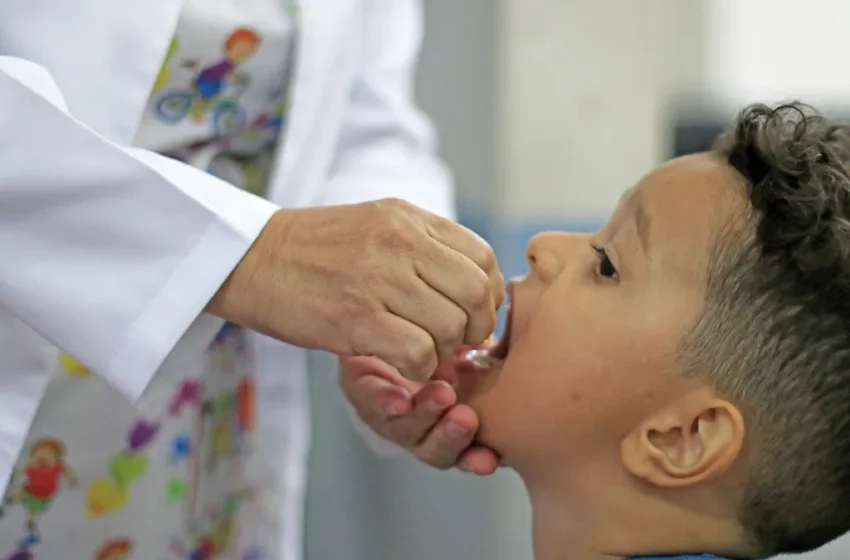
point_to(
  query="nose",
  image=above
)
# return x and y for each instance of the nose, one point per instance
(548, 253)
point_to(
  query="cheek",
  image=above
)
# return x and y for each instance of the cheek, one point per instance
(568, 387)
(538, 396)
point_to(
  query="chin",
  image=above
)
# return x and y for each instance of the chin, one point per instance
(502, 421)
(493, 431)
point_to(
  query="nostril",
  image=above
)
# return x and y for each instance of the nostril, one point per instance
(531, 254)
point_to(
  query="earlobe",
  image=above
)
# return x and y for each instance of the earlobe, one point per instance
(685, 444)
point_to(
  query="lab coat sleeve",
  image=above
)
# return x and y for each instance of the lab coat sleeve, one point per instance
(387, 147)
(111, 253)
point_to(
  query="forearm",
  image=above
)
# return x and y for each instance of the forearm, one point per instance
(109, 252)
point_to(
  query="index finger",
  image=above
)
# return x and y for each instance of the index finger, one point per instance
(476, 249)
(397, 342)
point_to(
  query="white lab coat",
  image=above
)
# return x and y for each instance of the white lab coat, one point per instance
(111, 252)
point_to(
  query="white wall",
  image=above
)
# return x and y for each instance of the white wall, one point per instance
(456, 86)
(582, 95)
(773, 50)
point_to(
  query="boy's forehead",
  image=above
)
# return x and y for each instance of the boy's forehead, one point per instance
(682, 202)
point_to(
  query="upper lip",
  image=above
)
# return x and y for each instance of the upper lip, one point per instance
(502, 348)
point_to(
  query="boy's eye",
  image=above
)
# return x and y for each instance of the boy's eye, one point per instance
(605, 269)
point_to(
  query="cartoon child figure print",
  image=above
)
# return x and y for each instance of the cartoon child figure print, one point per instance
(41, 481)
(240, 45)
(115, 549)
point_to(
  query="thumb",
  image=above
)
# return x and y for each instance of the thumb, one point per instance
(352, 368)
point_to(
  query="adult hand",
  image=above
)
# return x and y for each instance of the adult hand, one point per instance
(383, 279)
(424, 418)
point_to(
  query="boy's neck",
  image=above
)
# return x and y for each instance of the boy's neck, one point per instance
(610, 528)
(559, 534)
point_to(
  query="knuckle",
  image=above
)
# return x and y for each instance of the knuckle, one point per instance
(478, 293)
(398, 204)
(486, 258)
(352, 304)
(419, 352)
(393, 230)
(395, 207)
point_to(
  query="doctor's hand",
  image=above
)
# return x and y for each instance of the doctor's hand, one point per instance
(384, 279)
(422, 418)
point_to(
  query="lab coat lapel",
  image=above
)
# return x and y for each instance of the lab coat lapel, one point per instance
(319, 36)
(143, 32)
(102, 54)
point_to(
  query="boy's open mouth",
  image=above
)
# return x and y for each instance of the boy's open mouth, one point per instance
(494, 354)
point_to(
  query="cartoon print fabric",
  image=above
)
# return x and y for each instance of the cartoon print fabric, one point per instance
(98, 479)
(219, 101)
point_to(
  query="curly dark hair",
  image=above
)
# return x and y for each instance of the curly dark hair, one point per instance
(775, 332)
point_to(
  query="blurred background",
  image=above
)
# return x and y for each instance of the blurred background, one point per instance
(547, 110)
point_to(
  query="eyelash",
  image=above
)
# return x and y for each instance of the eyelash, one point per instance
(605, 269)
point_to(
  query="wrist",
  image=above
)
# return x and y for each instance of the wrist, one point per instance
(242, 298)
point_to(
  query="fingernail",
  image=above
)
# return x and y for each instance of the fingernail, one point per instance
(456, 430)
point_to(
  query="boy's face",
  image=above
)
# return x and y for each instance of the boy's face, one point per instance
(44, 456)
(241, 51)
(596, 322)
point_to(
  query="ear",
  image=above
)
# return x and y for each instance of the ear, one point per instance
(693, 440)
